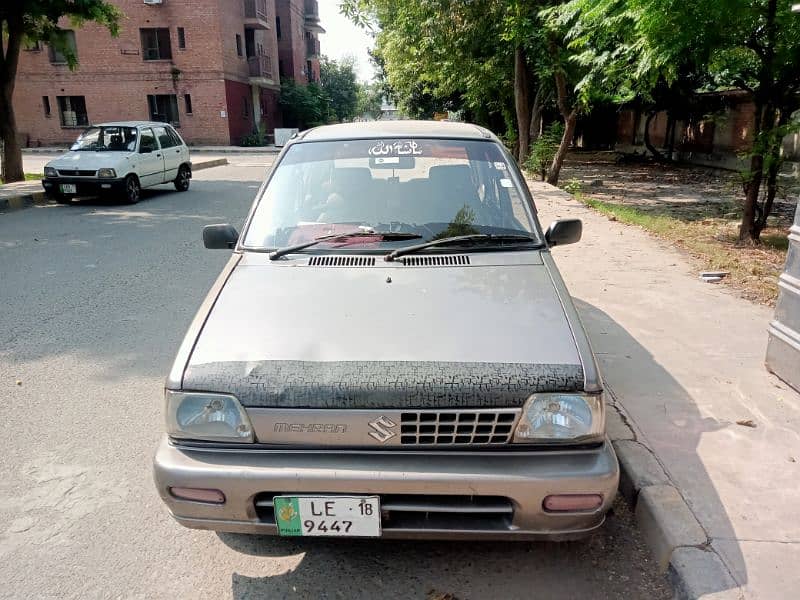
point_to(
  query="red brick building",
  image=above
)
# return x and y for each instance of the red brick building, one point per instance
(210, 67)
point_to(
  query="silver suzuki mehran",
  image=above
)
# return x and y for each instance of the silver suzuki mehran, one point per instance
(390, 351)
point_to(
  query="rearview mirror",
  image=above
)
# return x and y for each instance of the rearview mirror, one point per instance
(564, 231)
(220, 237)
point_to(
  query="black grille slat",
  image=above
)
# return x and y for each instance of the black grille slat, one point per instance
(76, 173)
(479, 427)
(451, 260)
(341, 261)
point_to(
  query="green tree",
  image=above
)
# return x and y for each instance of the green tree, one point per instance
(31, 21)
(370, 98)
(338, 79)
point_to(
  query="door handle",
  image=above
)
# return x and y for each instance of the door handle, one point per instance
(158, 156)
(178, 151)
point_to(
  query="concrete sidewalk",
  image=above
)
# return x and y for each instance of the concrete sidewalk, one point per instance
(684, 362)
(200, 149)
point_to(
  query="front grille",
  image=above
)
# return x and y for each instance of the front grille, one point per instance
(76, 173)
(342, 261)
(435, 261)
(412, 511)
(485, 427)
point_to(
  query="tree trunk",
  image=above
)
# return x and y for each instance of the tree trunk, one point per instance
(522, 102)
(566, 139)
(748, 230)
(660, 158)
(773, 163)
(536, 115)
(12, 152)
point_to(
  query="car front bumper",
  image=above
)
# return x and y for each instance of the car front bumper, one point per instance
(85, 186)
(518, 480)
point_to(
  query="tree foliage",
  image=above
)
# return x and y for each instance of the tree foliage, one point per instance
(23, 21)
(338, 79)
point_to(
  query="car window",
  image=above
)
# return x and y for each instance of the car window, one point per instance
(164, 138)
(148, 140)
(111, 138)
(176, 139)
(434, 188)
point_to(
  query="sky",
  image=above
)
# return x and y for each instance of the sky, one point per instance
(343, 38)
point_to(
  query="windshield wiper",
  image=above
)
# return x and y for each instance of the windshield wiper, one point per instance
(475, 237)
(385, 235)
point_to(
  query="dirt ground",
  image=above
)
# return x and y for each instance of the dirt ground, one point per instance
(697, 208)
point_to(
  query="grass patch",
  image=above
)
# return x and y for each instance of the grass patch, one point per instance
(713, 240)
(30, 177)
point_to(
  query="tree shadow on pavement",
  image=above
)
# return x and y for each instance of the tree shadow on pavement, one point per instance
(655, 402)
(610, 564)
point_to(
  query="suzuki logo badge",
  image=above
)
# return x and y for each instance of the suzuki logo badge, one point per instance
(382, 426)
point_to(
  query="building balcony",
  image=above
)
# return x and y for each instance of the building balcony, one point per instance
(256, 15)
(260, 68)
(312, 17)
(312, 48)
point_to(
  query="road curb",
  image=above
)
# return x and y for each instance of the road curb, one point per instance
(28, 199)
(673, 534)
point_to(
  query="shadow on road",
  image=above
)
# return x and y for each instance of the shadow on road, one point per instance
(648, 391)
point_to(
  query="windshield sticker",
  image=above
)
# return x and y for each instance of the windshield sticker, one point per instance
(387, 160)
(500, 166)
(406, 148)
(506, 183)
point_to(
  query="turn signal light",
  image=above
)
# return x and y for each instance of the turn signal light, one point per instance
(572, 502)
(198, 495)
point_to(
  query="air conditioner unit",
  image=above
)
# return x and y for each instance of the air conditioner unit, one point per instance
(154, 1)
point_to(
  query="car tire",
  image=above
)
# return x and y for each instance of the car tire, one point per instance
(182, 180)
(133, 191)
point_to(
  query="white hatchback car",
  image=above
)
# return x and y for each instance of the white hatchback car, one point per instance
(120, 159)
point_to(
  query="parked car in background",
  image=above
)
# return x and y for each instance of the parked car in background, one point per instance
(390, 351)
(119, 160)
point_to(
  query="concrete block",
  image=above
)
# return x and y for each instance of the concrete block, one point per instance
(666, 522)
(616, 428)
(638, 469)
(207, 164)
(695, 573)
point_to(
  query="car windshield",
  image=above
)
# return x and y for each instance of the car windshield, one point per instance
(430, 187)
(109, 138)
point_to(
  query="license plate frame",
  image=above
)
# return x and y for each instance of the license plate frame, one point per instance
(68, 188)
(328, 516)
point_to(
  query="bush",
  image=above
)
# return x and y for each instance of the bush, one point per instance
(544, 149)
(254, 139)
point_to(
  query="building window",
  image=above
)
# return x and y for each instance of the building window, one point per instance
(46, 105)
(164, 108)
(181, 38)
(281, 69)
(156, 44)
(238, 45)
(278, 27)
(72, 110)
(187, 100)
(245, 108)
(57, 57)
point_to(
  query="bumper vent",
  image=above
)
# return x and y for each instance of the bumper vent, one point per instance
(420, 512)
(342, 261)
(492, 427)
(435, 261)
(76, 173)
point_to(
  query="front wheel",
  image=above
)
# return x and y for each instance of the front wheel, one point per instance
(182, 180)
(133, 190)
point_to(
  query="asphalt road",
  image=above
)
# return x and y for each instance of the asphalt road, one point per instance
(94, 300)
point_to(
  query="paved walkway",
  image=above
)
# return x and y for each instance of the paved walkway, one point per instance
(685, 361)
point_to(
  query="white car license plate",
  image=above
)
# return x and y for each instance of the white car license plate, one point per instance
(69, 188)
(353, 516)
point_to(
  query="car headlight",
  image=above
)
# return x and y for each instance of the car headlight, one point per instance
(206, 416)
(50, 172)
(106, 173)
(561, 417)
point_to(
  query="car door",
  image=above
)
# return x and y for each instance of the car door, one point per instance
(151, 159)
(182, 148)
(172, 153)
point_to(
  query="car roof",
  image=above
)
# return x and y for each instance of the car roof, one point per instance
(130, 124)
(396, 129)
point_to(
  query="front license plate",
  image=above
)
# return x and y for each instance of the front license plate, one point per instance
(352, 516)
(69, 188)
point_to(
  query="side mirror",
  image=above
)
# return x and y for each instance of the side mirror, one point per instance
(564, 231)
(220, 237)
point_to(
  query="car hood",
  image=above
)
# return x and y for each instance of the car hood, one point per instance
(301, 336)
(86, 160)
